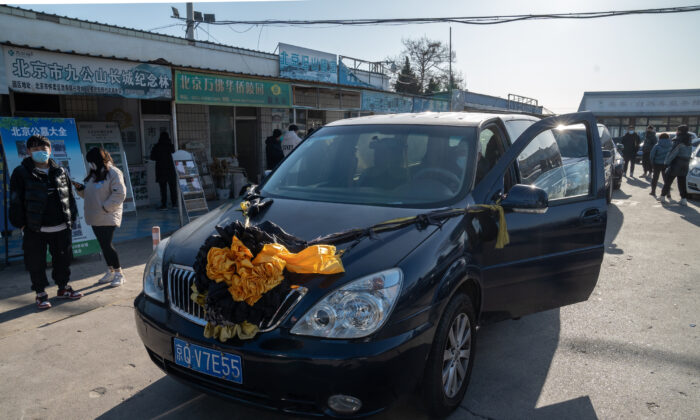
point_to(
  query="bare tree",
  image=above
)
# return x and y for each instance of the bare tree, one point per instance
(428, 59)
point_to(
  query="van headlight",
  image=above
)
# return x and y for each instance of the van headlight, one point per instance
(355, 310)
(153, 273)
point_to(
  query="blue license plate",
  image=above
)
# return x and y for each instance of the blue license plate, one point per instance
(208, 361)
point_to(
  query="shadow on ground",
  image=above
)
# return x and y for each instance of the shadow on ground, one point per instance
(512, 362)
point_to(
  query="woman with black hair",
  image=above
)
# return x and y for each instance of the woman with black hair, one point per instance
(103, 194)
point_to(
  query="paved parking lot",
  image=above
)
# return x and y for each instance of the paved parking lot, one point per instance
(631, 351)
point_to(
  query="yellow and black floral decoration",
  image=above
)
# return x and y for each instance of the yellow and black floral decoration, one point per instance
(242, 272)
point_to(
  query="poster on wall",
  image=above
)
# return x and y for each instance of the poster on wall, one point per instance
(306, 64)
(280, 119)
(139, 184)
(36, 71)
(107, 136)
(65, 151)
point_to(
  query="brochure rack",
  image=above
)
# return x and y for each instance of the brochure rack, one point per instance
(193, 201)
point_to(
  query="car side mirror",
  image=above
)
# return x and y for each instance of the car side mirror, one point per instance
(607, 154)
(526, 199)
(266, 173)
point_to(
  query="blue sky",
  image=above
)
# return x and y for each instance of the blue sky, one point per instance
(552, 61)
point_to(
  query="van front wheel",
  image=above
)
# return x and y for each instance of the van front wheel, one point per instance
(451, 358)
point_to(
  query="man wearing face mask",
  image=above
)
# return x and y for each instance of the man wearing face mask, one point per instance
(630, 142)
(43, 206)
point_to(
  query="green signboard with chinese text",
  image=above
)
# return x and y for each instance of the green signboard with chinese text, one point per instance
(213, 89)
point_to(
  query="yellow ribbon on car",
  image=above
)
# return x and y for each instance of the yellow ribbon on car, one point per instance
(249, 279)
(503, 238)
(245, 331)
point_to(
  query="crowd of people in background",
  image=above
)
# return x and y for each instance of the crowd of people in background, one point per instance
(664, 157)
(278, 146)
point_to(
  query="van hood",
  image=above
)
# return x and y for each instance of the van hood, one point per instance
(308, 220)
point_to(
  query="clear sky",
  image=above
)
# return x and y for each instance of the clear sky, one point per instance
(552, 61)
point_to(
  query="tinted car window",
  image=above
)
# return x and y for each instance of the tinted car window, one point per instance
(490, 149)
(561, 174)
(390, 165)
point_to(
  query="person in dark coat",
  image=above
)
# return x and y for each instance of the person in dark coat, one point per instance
(649, 143)
(658, 157)
(42, 205)
(630, 143)
(677, 164)
(162, 154)
(273, 149)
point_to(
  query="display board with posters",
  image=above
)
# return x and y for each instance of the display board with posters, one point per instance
(305, 64)
(37, 71)
(107, 136)
(65, 151)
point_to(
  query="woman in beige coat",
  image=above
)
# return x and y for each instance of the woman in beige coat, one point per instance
(103, 194)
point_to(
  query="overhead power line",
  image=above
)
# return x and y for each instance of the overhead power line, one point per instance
(467, 20)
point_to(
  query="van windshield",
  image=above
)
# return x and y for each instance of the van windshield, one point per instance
(385, 165)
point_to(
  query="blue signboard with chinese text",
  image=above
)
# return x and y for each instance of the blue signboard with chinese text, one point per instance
(37, 71)
(390, 103)
(305, 64)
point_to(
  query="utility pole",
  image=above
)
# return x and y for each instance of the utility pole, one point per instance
(450, 90)
(190, 22)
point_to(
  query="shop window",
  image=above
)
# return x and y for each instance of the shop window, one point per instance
(674, 122)
(33, 103)
(328, 98)
(351, 100)
(82, 108)
(245, 111)
(221, 131)
(5, 105)
(149, 107)
(305, 97)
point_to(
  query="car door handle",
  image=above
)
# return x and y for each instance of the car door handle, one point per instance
(590, 216)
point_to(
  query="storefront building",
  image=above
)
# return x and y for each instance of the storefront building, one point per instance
(135, 97)
(664, 109)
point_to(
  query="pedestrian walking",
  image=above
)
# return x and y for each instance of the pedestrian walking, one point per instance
(162, 154)
(658, 157)
(630, 143)
(42, 205)
(103, 195)
(649, 143)
(677, 163)
(273, 149)
(290, 140)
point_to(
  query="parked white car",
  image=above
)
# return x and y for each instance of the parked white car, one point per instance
(693, 179)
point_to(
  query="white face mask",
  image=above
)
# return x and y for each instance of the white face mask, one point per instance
(92, 166)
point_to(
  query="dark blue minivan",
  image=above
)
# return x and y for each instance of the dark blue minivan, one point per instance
(402, 317)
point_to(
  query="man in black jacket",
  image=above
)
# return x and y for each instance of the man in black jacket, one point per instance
(162, 154)
(630, 142)
(43, 207)
(273, 149)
